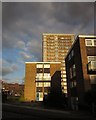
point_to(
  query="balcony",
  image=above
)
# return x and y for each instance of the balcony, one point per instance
(91, 67)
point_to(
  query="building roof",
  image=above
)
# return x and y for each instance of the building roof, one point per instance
(57, 34)
(80, 36)
(86, 36)
(42, 62)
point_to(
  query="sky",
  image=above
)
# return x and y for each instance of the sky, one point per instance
(23, 24)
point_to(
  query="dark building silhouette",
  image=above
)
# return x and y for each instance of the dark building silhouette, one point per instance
(81, 69)
(56, 81)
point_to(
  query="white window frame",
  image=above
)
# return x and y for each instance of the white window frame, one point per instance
(46, 65)
(94, 58)
(39, 84)
(39, 66)
(47, 84)
(92, 40)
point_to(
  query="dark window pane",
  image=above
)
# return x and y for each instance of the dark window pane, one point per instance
(39, 70)
(46, 70)
(39, 89)
(46, 89)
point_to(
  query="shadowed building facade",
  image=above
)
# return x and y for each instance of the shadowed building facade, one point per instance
(55, 48)
(79, 81)
(38, 79)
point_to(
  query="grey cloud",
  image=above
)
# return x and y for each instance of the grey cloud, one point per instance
(8, 67)
(74, 13)
(12, 12)
(15, 67)
(6, 70)
(25, 22)
(9, 70)
(20, 44)
(25, 56)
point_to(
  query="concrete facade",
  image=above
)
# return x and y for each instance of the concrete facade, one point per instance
(55, 48)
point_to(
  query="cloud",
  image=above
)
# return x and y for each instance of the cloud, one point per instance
(15, 67)
(20, 45)
(34, 46)
(9, 70)
(24, 23)
(6, 70)
(8, 67)
(74, 14)
(25, 56)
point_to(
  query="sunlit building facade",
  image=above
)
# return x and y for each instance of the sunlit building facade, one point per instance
(38, 79)
(81, 69)
(55, 48)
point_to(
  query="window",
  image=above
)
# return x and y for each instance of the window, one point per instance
(63, 64)
(65, 83)
(63, 71)
(65, 91)
(72, 71)
(93, 79)
(63, 75)
(39, 84)
(46, 84)
(91, 58)
(47, 76)
(46, 65)
(39, 70)
(65, 87)
(93, 65)
(71, 55)
(90, 42)
(44, 43)
(94, 42)
(63, 79)
(39, 65)
(39, 89)
(46, 70)
(41, 95)
(62, 38)
(39, 74)
(73, 84)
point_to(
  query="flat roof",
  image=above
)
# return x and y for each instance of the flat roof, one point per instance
(42, 62)
(85, 36)
(57, 34)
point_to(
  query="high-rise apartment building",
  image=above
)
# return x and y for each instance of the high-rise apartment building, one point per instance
(81, 69)
(38, 76)
(55, 48)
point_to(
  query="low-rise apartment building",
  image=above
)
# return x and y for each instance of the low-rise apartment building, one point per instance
(81, 69)
(38, 79)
